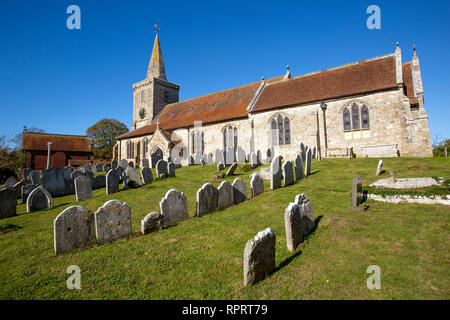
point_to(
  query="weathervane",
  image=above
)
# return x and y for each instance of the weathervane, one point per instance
(156, 28)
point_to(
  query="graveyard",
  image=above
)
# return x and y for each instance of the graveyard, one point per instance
(201, 257)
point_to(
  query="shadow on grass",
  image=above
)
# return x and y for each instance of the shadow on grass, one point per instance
(9, 228)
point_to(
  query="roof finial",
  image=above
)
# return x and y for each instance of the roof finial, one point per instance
(397, 44)
(156, 28)
(262, 78)
(288, 73)
(414, 49)
(157, 125)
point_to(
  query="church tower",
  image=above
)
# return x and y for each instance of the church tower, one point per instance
(154, 92)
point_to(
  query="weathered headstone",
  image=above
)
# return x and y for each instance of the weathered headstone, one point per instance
(73, 228)
(173, 207)
(35, 177)
(253, 160)
(275, 173)
(240, 155)
(220, 166)
(198, 158)
(210, 158)
(112, 182)
(207, 199)
(161, 168)
(99, 182)
(218, 156)
(123, 163)
(8, 202)
(225, 195)
(10, 182)
(53, 181)
(256, 184)
(357, 194)
(269, 155)
(298, 168)
(232, 169)
(293, 227)
(379, 168)
(152, 222)
(259, 157)
(83, 188)
(171, 169)
(308, 163)
(306, 214)
(114, 164)
(26, 173)
(230, 156)
(145, 163)
(112, 221)
(39, 199)
(288, 173)
(146, 175)
(68, 181)
(239, 190)
(302, 150)
(313, 152)
(259, 257)
(133, 177)
(26, 190)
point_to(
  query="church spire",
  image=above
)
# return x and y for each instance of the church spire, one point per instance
(156, 66)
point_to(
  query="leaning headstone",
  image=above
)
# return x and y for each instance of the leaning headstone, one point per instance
(161, 168)
(259, 257)
(133, 177)
(152, 222)
(308, 163)
(253, 160)
(240, 155)
(288, 173)
(379, 168)
(306, 214)
(73, 228)
(10, 182)
(298, 168)
(293, 226)
(207, 199)
(357, 193)
(239, 190)
(173, 207)
(35, 177)
(68, 181)
(39, 199)
(26, 190)
(99, 182)
(220, 166)
(256, 184)
(112, 221)
(8, 202)
(146, 175)
(112, 182)
(171, 169)
(53, 181)
(275, 173)
(225, 195)
(83, 188)
(232, 169)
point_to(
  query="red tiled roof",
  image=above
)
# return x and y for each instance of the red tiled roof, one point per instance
(38, 141)
(220, 106)
(364, 76)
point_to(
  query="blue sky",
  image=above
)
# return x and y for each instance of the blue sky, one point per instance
(64, 81)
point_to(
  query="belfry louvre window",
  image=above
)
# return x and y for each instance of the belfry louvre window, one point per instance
(356, 118)
(280, 130)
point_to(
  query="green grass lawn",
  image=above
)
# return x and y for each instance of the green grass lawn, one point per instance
(201, 258)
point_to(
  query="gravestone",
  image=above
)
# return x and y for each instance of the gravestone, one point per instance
(269, 155)
(302, 150)
(73, 228)
(207, 199)
(230, 156)
(112, 221)
(205, 158)
(39, 199)
(83, 188)
(8, 202)
(114, 164)
(133, 177)
(35, 177)
(68, 181)
(308, 163)
(98, 167)
(240, 155)
(357, 194)
(190, 161)
(146, 175)
(152, 222)
(75, 174)
(173, 207)
(161, 168)
(26, 190)
(218, 156)
(112, 182)
(18, 187)
(256, 184)
(120, 171)
(232, 169)
(293, 226)
(99, 182)
(210, 158)
(11, 182)
(379, 168)
(313, 152)
(239, 190)
(225, 195)
(220, 166)
(253, 160)
(275, 173)
(123, 163)
(171, 169)
(259, 257)
(106, 168)
(288, 173)
(198, 159)
(307, 217)
(298, 168)
(26, 173)
(53, 181)
(259, 157)
(145, 163)
(131, 164)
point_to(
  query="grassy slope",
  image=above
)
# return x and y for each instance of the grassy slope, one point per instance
(201, 258)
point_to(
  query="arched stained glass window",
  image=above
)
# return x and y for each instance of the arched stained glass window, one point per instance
(355, 117)
(280, 131)
(365, 118)
(274, 132)
(287, 131)
(347, 123)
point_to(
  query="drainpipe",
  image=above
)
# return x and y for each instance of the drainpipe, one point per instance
(323, 106)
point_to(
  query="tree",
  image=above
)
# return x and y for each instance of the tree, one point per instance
(439, 146)
(9, 158)
(17, 138)
(103, 135)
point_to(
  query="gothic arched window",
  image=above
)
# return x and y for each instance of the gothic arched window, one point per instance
(197, 142)
(230, 137)
(347, 123)
(356, 118)
(365, 117)
(280, 130)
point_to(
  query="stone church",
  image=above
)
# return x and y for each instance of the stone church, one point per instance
(371, 108)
